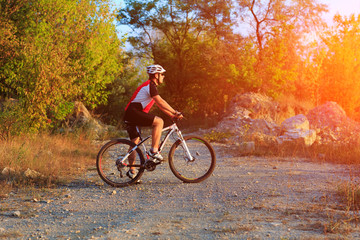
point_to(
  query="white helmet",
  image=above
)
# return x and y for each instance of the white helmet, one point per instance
(155, 69)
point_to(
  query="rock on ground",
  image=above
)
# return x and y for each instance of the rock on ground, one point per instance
(252, 114)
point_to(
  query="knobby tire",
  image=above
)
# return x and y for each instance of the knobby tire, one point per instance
(192, 171)
(106, 163)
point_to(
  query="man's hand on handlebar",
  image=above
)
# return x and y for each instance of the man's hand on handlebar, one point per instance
(177, 116)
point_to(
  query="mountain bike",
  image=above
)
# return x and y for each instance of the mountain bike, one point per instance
(191, 158)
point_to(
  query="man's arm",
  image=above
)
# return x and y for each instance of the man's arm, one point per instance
(164, 106)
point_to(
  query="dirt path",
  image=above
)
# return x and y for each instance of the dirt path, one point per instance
(246, 198)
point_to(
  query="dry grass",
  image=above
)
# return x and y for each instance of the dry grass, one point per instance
(332, 153)
(57, 158)
(349, 193)
(291, 106)
(339, 153)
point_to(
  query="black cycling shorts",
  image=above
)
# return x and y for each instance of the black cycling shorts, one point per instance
(134, 116)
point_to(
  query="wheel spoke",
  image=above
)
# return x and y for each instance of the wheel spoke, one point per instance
(110, 171)
(199, 167)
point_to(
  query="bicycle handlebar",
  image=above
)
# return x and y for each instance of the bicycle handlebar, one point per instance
(176, 118)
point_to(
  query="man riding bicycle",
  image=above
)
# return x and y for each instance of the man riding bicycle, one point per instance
(137, 113)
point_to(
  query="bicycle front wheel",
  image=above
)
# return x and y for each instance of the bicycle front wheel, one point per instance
(115, 174)
(199, 167)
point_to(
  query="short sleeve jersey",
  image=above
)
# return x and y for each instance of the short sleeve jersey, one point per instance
(144, 94)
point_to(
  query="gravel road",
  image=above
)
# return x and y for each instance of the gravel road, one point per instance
(245, 198)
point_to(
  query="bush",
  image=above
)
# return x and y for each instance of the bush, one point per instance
(12, 120)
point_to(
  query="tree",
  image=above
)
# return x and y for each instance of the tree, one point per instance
(266, 16)
(63, 51)
(278, 27)
(193, 40)
(208, 61)
(121, 90)
(340, 73)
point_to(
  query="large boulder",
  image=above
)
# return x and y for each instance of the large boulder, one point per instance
(254, 118)
(81, 118)
(298, 122)
(333, 125)
(297, 130)
(250, 113)
(255, 106)
(330, 114)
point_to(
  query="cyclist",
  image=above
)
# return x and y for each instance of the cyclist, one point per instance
(137, 113)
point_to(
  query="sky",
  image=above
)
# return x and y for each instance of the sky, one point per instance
(343, 7)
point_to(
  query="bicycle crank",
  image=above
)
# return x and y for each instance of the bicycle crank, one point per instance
(150, 165)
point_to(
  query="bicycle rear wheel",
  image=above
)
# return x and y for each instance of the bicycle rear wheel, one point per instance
(116, 175)
(196, 170)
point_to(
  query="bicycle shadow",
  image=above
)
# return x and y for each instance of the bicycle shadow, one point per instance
(89, 179)
(80, 184)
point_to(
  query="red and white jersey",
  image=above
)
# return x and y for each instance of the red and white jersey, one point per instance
(144, 94)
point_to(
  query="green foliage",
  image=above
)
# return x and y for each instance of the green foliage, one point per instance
(13, 119)
(340, 67)
(185, 37)
(279, 63)
(308, 83)
(243, 72)
(121, 90)
(62, 51)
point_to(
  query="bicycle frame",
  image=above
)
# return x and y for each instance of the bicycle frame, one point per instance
(171, 129)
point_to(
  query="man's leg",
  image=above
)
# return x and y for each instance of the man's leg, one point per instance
(158, 125)
(133, 154)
